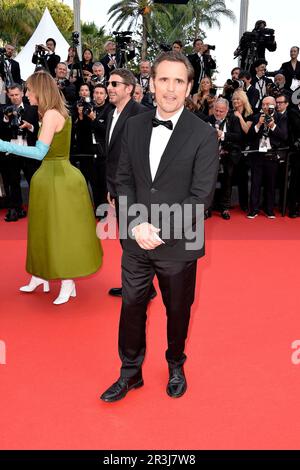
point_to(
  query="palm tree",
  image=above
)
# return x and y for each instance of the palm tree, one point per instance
(207, 12)
(131, 12)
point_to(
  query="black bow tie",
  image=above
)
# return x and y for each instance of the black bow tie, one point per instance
(168, 124)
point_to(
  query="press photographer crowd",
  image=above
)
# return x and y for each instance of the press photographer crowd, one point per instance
(256, 116)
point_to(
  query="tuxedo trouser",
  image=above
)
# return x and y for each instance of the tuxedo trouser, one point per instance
(226, 183)
(264, 171)
(294, 186)
(177, 284)
(14, 166)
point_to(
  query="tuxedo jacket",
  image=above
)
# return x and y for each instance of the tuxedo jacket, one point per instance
(119, 59)
(294, 124)
(30, 115)
(278, 137)
(209, 65)
(113, 148)
(287, 70)
(233, 136)
(15, 71)
(253, 96)
(186, 175)
(51, 59)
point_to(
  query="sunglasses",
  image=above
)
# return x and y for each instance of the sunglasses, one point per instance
(114, 83)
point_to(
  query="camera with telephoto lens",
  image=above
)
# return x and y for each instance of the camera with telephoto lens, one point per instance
(123, 38)
(210, 48)
(75, 39)
(235, 84)
(2, 54)
(15, 116)
(86, 104)
(269, 115)
(40, 49)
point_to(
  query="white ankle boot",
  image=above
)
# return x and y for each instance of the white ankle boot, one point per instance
(34, 283)
(67, 290)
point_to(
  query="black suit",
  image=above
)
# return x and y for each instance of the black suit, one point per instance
(120, 61)
(265, 164)
(263, 89)
(294, 134)
(14, 164)
(113, 147)
(13, 75)
(48, 61)
(253, 96)
(186, 175)
(289, 72)
(208, 66)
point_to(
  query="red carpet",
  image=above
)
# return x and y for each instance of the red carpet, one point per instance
(243, 389)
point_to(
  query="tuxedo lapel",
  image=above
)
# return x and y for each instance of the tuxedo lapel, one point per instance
(144, 143)
(177, 141)
(109, 121)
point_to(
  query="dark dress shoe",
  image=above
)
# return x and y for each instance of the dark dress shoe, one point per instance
(11, 216)
(294, 215)
(119, 389)
(21, 213)
(177, 382)
(225, 215)
(115, 291)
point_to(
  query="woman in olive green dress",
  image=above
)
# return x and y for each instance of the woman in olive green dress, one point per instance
(62, 242)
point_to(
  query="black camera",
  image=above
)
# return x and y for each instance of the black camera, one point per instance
(86, 104)
(165, 47)
(210, 48)
(15, 116)
(75, 38)
(62, 82)
(96, 80)
(40, 49)
(235, 84)
(269, 115)
(123, 38)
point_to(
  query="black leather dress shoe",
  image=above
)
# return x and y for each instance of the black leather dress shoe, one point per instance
(225, 215)
(119, 389)
(177, 382)
(11, 216)
(115, 291)
(21, 213)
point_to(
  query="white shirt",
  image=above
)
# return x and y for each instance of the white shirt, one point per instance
(114, 121)
(159, 140)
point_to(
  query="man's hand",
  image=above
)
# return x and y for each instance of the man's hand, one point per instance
(92, 115)
(261, 121)
(111, 201)
(146, 236)
(26, 125)
(271, 124)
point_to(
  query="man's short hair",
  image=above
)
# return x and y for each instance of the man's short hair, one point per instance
(100, 85)
(260, 62)
(295, 47)
(245, 74)
(98, 64)
(13, 86)
(196, 40)
(51, 39)
(61, 63)
(128, 77)
(235, 68)
(171, 56)
(222, 101)
(283, 95)
(107, 43)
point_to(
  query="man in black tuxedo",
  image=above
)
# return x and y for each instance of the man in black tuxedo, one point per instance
(294, 186)
(44, 56)
(20, 126)
(169, 157)
(10, 68)
(120, 90)
(269, 132)
(260, 82)
(291, 70)
(202, 62)
(114, 59)
(229, 134)
(251, 92)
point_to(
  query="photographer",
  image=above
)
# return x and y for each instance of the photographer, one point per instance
(206, 96)
(98, 77)
(291, 70)
(261, 82)
(18, 124)
(253, 45)
(68, 89)
(278, 87)
(45, 57)
(9, 68)
(116, 53)
(143, 78)
(232, 84)
(251, 92)
(229, 135)
(268, 133)
(202, 63)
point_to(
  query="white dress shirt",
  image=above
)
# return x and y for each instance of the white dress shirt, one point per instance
(159, 140)
(115, 118)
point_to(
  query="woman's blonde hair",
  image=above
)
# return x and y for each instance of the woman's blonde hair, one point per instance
(47, 93)
(244, 99)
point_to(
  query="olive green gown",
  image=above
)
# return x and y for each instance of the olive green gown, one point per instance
(62, 242)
